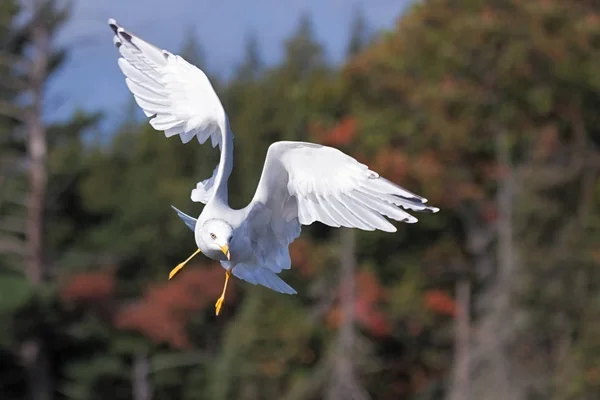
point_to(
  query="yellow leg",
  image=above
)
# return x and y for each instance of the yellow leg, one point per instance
(178, 267)
(222, 298)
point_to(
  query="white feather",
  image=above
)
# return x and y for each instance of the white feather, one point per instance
(177, 96)
(300, 183)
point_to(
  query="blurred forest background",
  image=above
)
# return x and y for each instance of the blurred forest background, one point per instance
(487, 108)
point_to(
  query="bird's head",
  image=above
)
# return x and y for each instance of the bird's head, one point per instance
(213, 239)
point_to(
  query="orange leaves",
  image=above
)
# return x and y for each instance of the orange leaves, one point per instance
(299, 254)
(469, 191)
(596, 255)
(488, 15)
(272, 368)
(94, 286)
(164, 311)
(368, 294)
(428, 166)
(593, 376)
(392, 163)
(439, 302)
(340, 135)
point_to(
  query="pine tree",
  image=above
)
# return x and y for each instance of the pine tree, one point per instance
(252, 64)
(191, 49)
(359, 33)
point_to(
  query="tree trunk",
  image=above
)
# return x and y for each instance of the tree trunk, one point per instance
(343, 383)
(33, 351)
(462, 343)
(493, 370)
(506, 266)
(140, 378)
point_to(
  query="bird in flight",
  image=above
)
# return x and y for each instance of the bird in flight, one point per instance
(300, 182)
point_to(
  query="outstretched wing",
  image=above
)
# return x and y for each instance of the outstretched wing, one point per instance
(176, 95)
(304, 182)
(319, 183)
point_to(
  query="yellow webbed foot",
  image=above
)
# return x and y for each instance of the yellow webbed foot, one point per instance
(181, 265)
(221, 299)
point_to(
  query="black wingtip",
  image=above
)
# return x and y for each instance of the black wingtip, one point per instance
(124, 34)
(113, 25)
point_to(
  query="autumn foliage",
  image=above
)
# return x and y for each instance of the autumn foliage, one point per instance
(89, 287)
(369, 296)
(439, 302)
(340, 135)
(164, 310)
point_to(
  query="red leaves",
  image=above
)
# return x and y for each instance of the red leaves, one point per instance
(392, 163)
(93, 286)
(428, 166)
(300, 258)
(340, 135)
(164, 311)
(469, 191)
(593, 376)
(439, 302)
(369, 293)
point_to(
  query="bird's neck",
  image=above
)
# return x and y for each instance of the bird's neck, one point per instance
(220, 194)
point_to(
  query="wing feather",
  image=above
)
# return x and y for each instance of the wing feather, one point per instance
(258, 275)
(333, 188)
(304, 182)
(176, 95)
(189, 221)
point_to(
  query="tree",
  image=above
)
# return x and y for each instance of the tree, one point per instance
(483, 108)
(30, 60)
(37, 32)
(359, 33)
(252, 64)
(302, 52)
(191, 49)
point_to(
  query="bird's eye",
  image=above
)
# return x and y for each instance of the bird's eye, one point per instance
(213, 236)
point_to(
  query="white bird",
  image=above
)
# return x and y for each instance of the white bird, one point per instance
(300, 183)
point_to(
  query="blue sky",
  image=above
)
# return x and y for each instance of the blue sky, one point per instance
(91, 79)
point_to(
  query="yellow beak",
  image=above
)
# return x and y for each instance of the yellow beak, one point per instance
(225, 250)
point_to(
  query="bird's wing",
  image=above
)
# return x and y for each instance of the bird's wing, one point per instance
(189, 221)
(319, 183)
(177, 96)
(304, 182)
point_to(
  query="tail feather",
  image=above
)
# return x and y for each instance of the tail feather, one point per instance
(262, 276)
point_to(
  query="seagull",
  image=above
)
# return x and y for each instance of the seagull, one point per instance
(301, 182)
